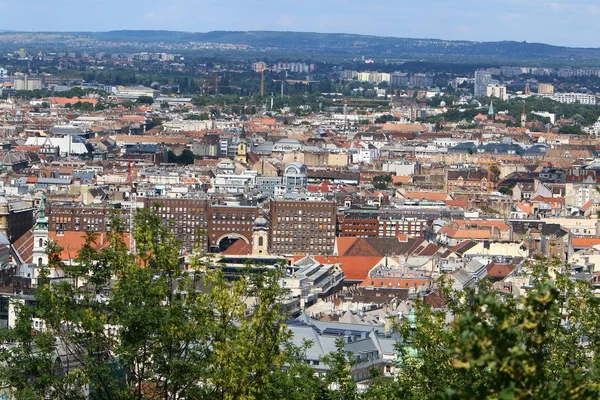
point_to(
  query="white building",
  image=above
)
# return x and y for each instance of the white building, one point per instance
(27, 83)
(496, 90)
(570, 98)
(235, 183)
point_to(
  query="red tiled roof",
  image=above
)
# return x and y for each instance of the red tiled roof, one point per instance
(499, 270)
(587, 205)
(361, 248)
(72, 241)
(344, 243)
(24, 247)
(585, 242)
(355, 268)
(238, 248)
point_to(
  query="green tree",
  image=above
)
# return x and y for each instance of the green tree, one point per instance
(145, 100)
(186, 157)
(570, 130)
(170, 340)
(499, 346)
(495, 171)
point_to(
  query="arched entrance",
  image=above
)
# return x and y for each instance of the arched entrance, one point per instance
(225, 241)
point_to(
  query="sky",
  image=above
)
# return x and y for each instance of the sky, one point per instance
(559, 22)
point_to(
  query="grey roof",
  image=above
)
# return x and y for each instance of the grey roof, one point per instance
(54, 181)
(66, 130)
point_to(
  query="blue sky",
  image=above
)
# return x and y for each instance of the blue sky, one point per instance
(561, 22)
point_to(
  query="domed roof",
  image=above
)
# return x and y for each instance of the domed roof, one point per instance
(260, 221)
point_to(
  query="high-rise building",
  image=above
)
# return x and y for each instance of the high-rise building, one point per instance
(300, 227)
(497, 91)
(28, 83)
(227, 224)
(186, 217)
(545, 88)
(482, 80)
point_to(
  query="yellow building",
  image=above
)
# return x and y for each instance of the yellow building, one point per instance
(242, 148)
(545, 88)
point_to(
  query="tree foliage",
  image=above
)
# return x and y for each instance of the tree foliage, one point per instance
(169, 330)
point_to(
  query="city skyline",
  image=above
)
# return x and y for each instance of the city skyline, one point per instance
(553, 22)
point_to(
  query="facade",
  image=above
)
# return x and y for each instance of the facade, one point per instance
(389, 223)
(28, 83)
(300, 227)
(16, 218)
(226, 224)
(545, 88)
(64, 217)
(497, 91)
(186, 217)
(207, 146)
(295, 177)
(482, 80)
(571, 98)
(235, 183)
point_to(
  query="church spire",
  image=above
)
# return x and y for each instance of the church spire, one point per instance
(41, 222)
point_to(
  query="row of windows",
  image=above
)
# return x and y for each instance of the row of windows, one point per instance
(243, 216)
(234, 222)
(227, 229)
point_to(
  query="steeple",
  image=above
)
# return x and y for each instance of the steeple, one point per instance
(410, 352)
(491, 110)
(41, 222)
(242, 148)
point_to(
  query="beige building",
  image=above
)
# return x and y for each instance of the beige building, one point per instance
(545, 88)
(497, 91)
(317, 158)
(28, 83)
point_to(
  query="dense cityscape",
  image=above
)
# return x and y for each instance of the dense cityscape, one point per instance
(179, 225)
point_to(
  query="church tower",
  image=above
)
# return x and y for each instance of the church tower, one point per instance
(491, 113)
(242, 148)
(40, 235)
(523, 117)
(260, 237)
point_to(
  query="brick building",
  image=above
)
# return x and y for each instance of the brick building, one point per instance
(226, 224)
(77, 217)
(185, 216)
(382, 223)
(300, 227)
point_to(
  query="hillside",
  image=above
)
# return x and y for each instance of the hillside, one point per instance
(312, 43)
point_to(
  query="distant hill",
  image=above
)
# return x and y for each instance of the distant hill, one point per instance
(341, 41)
(322, 43)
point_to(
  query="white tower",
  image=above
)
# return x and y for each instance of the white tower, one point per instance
(40, 235)
(260, 237)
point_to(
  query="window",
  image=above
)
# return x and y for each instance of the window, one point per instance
(260, 241)
(40, 262)
(41, 242)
